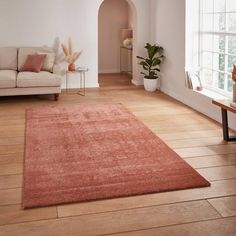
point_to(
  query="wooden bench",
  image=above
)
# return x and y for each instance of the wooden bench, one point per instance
(225, 106)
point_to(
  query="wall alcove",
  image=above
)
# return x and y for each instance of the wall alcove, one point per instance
(116, 21)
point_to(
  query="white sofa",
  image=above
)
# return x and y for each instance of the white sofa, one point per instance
(13, 82)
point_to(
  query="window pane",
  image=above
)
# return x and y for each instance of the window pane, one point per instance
(207, 22)
(219, 5)
(207, 42)
(230, 5)
(232, 45)
(207, 77)
(230, 84)
(219, 62)
(219, 22)
(207, 6)
(215, 76)
(221, 80)
(231, 63)
(232, 21)
(207, 59)
(219, 43)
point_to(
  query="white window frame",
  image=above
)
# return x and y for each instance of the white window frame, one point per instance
(226, 34)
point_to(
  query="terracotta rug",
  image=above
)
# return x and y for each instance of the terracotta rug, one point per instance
(89, 152)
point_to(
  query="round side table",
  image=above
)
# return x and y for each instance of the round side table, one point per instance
(80, 72)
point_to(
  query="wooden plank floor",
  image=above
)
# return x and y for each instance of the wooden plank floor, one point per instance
(116, 79)
(196, 138)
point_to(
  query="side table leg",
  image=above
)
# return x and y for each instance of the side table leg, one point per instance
(81, 90)
(66, 82)
(84, 83)
(81, 78)
(225, 124)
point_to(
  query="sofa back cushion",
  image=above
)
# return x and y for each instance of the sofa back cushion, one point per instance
(48, 63)
(8, 58)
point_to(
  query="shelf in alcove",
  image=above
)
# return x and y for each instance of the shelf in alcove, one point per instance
(130, 50)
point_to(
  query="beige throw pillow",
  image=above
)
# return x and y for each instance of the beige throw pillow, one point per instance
(49, 61)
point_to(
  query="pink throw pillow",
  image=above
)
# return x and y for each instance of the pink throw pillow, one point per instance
(34, 63)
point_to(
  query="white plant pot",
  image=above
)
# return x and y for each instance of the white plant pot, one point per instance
(151, 85)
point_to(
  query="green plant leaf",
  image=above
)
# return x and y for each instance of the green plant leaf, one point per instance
(156, 62)
(143, 63)
(149, 62)
(142, 73)
(152, 73)
(142, 58)
(145, 67)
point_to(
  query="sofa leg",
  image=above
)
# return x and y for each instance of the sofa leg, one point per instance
(56, 96)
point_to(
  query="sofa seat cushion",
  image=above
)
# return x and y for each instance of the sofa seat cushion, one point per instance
(8, 78)
(41, 79)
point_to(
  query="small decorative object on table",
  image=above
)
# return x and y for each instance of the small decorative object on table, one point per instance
(70, 56)
(128, 43)
(71, 67)
(233, 104)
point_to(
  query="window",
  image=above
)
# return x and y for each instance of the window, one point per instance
(217, 44)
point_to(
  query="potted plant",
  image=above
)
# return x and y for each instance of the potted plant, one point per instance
(151, 66)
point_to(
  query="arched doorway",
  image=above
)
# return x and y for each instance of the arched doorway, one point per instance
(117, 20)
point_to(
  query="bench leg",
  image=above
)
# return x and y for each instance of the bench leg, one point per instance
(56, 96)
(226, 126)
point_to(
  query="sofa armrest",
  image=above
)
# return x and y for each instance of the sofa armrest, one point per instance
(58, 69)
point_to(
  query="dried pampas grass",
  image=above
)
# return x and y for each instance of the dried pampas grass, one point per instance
(70, 56)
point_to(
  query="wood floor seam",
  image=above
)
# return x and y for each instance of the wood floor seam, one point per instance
(215, 209)
(212, 167)
(144, 229)
(208, 167)
(126, 209)
(207, 155)
(73, 217)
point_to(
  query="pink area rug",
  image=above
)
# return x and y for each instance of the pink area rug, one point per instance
(88, 152)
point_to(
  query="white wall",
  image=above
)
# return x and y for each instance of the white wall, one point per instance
(37, 23)
(192, 60)
(113, 16)
(130, 18)
(169, 31)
